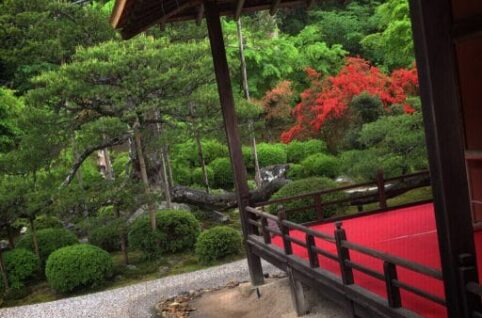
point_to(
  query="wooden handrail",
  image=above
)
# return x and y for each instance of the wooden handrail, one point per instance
(348, 187)
(415, 267)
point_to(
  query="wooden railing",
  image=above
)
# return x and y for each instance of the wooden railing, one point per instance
(473, 290)
(264, 222)
(380, 196)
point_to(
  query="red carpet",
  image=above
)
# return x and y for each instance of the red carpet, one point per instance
(409, 233)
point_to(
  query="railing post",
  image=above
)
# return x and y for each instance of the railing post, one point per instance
(468, 273)
(285, 231)
(312, 254)
(343, 255)
(393, 292)
(264, 230)
(382, 198)
(318, 206)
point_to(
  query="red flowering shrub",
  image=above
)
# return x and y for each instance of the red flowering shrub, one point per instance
(328, 99)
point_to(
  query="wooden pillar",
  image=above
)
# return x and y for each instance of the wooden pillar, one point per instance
(231, 126)
(432, 28)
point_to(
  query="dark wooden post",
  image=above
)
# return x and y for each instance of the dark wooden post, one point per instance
(285, 231)
(264, 230)
(312, 254)
(343, 255)
(468, 274)
(432, 23)
(318, 206)
(382, 198)
(393, 292)
(231, 126)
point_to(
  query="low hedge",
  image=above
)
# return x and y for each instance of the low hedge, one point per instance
(271, 154)
(308, 185)
(20, 265)
(217, 243)
(176, 231)
(48, 240)
(223, 174)
(321, 165)
(79, 266)
(108, 236)
(198, 176)
(299, 150)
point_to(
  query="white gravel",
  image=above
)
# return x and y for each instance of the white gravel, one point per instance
(135, 301)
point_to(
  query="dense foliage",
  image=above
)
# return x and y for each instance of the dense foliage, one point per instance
(308, 185)
(79, 266)
(48, 240)
(21, 265)
(176, 231)
(217, 243)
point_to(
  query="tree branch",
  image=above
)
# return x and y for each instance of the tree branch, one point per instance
(88, 151)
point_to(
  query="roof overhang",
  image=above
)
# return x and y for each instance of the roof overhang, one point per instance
(135, 16)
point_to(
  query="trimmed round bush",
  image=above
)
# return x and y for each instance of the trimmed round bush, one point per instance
(176, 231)
(299, 150)
(107, 236)
(271, 154)
(20, 265)
(308, 185)
(217, 243)
(321, 165)
(79, 266)
(182, 174)
(296, 171)
(212, 150)
(47, 222)
(223, 174)
(49, 240)
(198, 176)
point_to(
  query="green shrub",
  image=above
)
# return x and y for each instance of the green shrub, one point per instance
(296, 171)
(271, 154)
(181, 174)
(212, 150)
(108, 236)
(248, 157)
(223, 174)
(49, 240)
(20, 265)
(77, 267)
(47, 222)
(176, 231)
(198, 177)
(321, 165)
(308, 185)
(106, 211)
(217, 243)
(299, 150)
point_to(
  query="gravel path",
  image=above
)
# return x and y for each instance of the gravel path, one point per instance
(134, 301)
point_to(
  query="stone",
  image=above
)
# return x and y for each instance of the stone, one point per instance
(131, 267)
(246, 289)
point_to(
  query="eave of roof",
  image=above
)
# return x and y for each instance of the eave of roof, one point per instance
(135, 16)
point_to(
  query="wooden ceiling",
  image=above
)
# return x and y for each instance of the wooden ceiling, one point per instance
(135, 16)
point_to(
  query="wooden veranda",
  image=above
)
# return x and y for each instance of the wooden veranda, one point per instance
(448, 43)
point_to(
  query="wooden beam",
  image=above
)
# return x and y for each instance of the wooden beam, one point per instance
(226, 98)
(239, 9)
(274, 7)
(166, 16)
(200, 14)
(432, 29)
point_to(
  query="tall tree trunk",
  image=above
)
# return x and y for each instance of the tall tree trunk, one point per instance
(34, 238)
(123, 240)
(244, 77)
(4, 271)
(11, 240)
(163, 171)
(143, 170)
(200, 154)
(167, 161)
